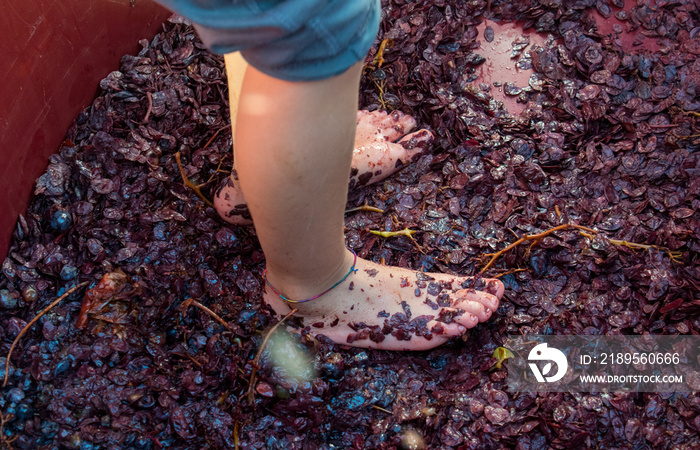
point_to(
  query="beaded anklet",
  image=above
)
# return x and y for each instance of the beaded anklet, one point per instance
(352, 269)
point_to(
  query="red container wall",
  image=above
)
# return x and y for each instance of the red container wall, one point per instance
(52, 57)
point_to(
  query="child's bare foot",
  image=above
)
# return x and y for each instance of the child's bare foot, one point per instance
(382, 146)
(394, 309)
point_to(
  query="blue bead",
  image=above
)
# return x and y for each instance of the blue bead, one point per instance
(61, 220)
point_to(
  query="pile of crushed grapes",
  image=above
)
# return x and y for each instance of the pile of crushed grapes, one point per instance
(137, 311)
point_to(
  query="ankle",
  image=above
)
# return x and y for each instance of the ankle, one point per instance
(299, 286)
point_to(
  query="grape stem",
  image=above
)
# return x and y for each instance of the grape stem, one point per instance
(32, 322)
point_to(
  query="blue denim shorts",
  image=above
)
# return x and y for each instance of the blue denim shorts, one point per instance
(294, 40)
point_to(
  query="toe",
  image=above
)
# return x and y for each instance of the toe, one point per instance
(464, 297)
(406, 150)
(448, 329)
(386, 127)
(494, 287)
(361, 113)
(370, 118)
(481, 312)
(480, 304)
(491, 286)
(459, 322)
(397, 124)
(417, 142)
(468, 320)
(404, 121)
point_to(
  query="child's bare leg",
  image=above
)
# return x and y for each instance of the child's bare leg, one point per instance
(293, 144)
(383, 145)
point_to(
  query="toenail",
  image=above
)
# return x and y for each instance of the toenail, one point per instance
(487, 310)
(473, 317)
(462, 329)
(492, 287)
